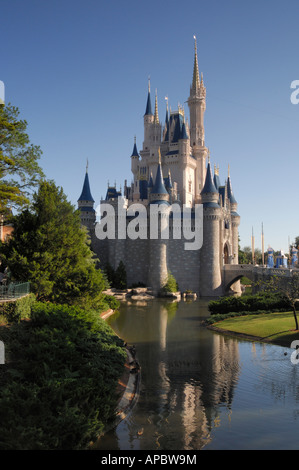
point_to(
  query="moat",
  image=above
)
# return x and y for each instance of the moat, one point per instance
(200, 389)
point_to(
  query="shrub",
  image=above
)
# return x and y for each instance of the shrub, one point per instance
(60, 387)
(260, 301)
(19, 309)
(108, 301)
(171, 284)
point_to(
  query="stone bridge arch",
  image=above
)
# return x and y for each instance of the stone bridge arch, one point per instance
(232, 273)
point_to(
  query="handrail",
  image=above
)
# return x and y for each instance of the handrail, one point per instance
(14, 290)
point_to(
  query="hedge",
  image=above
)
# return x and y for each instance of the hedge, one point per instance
(251, 303)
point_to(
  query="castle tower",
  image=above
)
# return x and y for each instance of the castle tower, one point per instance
(197, 107)
(157, 272)
(135, 170)
(85, 204)
(210, 271)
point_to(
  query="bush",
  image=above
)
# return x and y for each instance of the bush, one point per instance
(109, 301)
(60, 385)
(260, 301)
(171, 284)
(19, 309)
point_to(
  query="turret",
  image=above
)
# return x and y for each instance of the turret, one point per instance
(210, 276)
(135, 160)
(85, 204)
(159, 193)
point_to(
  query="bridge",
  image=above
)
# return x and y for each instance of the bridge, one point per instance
(232, 273)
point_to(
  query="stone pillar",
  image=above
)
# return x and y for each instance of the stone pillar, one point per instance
(210, 269)
(157, 274)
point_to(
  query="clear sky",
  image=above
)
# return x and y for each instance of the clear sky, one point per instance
(78, 71)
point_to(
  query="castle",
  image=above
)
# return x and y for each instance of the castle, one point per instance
(173, 167)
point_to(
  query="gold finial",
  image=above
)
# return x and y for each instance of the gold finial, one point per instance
(195, 44)
(216, 170)
(159, 154)
(87, 166)
(208, 155)
(166, 98)
(149, 83)
(134, 139)
(196, 80)
(156, 118)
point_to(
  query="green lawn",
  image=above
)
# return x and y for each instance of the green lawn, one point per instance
(278, 327)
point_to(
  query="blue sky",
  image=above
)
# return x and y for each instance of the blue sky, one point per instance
(78, 71)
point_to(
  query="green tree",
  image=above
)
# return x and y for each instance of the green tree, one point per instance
(288, 288)
(170, 285)
(50, 249)
(19, 168)
(120, 277)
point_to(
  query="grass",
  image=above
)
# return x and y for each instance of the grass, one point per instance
(278, 328)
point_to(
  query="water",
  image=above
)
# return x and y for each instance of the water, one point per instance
(203, 390)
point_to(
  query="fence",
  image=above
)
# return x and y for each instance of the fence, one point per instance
(14, 290)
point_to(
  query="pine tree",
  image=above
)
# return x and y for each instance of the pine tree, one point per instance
(19, 169)
(50, 249)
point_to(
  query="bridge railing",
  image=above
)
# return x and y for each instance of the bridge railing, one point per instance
(14, 290)
(238, 267)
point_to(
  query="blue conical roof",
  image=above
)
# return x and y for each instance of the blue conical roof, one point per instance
(209, 186)
(159, 187)
(217, 181)
(135, 151)
(230, 194)
(148, 110)
(86, 194)
(184, 132)
(150, 183)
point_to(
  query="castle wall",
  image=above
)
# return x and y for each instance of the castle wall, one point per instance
(184, 265)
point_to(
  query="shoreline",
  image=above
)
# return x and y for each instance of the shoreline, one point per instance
(247, 337)
(127, 387)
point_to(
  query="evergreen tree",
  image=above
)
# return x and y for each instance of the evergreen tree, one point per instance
(120, 277)
(171, 284)
(50, 249)
(19, 169)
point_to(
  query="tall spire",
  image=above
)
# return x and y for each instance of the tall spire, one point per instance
(159, 187)
(135, 151)
(86, 194)
(196, 80)
(209, 186)
(148, 104)
(230, 193)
